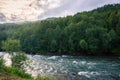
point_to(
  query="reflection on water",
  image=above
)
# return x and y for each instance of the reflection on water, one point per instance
(71, 67)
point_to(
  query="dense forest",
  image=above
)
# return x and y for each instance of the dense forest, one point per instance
(95, 32)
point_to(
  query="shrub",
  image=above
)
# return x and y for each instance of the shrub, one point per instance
(1, 64)
(83, 44)
(17, 59)
(11, 45)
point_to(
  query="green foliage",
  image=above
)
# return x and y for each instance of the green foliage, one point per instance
(12, 70)
(1, 65)
(18, 72)
(11, 45)
(116, 51)
(83, 44)
(96, 32)
(15, 73)
(17, 59)
(2, 38)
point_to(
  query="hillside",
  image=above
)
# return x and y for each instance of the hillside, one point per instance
(94, 32)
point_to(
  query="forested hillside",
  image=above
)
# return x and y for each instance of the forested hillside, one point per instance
(95, 32)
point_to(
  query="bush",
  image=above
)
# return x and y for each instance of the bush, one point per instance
(17, 59)
(83, 44)
(11, 45)
(1, 65)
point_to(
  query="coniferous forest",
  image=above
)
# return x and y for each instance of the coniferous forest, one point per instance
(95, 32)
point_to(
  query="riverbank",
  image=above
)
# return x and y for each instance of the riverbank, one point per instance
(8, 70)
(67, 67)
(8, 76)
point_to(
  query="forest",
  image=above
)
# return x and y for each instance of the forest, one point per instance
(95, 32)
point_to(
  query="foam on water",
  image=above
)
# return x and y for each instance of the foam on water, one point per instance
(53, 57)
(75, 62)
(80, 66)
(61, 60)
(84, 74)
(83, 62)
(88, 74)
(64, 56)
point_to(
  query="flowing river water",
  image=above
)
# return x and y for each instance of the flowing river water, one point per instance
(74, 67)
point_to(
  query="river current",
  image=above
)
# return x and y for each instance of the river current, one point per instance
(74, 67)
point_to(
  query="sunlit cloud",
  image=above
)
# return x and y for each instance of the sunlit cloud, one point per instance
(31, 10)
(27, 10)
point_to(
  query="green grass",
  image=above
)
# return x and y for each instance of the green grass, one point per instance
(21, 73)
(15, 73)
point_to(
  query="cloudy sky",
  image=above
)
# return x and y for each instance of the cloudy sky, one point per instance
(31, 10)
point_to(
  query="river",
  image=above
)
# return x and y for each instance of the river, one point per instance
(74, 67)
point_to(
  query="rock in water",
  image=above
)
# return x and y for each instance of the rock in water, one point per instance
(7, 58)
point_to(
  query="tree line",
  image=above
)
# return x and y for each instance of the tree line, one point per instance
(95, 32)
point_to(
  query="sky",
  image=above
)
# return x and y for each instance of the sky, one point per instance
(32, 10)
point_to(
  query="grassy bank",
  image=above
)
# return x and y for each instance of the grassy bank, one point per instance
(14, 72)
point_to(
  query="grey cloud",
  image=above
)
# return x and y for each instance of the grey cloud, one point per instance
(70, 7)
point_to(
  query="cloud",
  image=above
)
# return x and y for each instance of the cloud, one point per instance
(70, 7)
(25, 10)
(31, 10)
